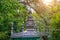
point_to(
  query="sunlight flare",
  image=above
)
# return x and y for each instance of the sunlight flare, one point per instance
(47, 2)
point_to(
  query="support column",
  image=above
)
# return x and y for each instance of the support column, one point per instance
(23, 26)
(12, 29)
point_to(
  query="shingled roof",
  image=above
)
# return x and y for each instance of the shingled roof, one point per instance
(25, 34)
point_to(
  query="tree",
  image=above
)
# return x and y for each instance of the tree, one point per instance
(55, 22)
(10, 11)
(44, 12)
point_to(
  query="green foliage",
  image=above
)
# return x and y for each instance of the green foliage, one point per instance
(55, 26)
(11, 11)
(55, 23)
(38, 22)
